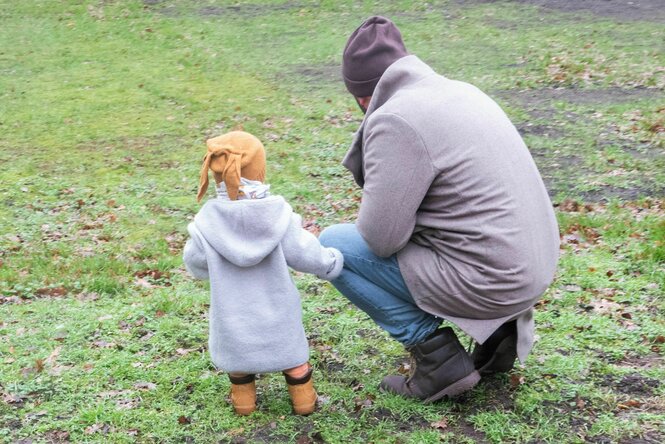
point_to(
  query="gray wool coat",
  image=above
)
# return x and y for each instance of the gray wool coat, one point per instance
(450, 187)
(245, 248)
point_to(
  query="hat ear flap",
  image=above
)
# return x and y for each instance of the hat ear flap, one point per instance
(232, 175)
(203, 177)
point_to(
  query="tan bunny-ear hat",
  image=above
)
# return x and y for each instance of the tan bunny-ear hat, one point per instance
(232, 156)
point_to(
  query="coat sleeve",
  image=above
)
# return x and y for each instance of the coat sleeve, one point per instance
(398, 173)
(304, 253)
(194, 255)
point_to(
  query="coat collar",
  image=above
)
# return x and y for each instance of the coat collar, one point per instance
(404, 72)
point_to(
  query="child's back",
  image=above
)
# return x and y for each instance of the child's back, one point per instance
(246, 248)
(244, 241)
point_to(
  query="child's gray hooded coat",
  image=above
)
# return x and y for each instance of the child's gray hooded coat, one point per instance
(245, 248)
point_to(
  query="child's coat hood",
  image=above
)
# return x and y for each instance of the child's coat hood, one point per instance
(244, 232)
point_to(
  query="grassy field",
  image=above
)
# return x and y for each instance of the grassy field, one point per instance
(104, 109)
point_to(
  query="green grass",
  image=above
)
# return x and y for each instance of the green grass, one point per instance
(104, 111)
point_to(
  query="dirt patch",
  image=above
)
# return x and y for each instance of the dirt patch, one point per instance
(632, 384)
(465, 428)
(564, 173)
(648, 438)
(248, 9)
(543, 98)
(529, 128)
(649, 10)
(245, 10)
(652, 360)
(314, 75)
(261, 435)
(331, 367)
(622, 10)
(630, 194)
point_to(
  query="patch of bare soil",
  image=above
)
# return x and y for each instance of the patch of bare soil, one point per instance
(529, 128)
(320, 74)
(543, 98)
(632, 384)
(648, 438)
(652, 360)
(649, 10)
(622, 10)
(246, 10)
(540, 104)
(465, 428)
(608, 192)
(261, 435)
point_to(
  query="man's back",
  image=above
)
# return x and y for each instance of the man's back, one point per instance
(485, 217)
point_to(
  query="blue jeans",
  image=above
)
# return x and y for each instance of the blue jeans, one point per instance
(376, 286)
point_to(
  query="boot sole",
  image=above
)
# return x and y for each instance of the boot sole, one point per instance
(457, 388)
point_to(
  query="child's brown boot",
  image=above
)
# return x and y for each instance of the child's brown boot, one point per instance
(302, 393)
(243, 394)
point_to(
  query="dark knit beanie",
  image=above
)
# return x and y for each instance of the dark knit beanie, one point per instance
(370, 50)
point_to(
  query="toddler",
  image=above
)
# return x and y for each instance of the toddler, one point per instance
(244, 242)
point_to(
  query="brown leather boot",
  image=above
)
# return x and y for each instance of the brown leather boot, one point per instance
(440, 367)
(499, 352)
(302, 393)
(243, 394)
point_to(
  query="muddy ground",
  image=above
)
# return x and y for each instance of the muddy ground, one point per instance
(563, 172)
(623, 10)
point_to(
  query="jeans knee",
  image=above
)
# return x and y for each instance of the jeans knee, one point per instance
(335, 236)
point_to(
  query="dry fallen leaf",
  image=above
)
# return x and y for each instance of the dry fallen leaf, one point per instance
(145, 386)
(516, 380)
(53, 292)
(50, 360)
(98, 428)
(441, 424)
(629, 404)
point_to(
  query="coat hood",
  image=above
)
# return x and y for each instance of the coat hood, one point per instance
(244, 232)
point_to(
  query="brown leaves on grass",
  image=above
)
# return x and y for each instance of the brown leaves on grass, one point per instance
(646, 127)
(630, 404)
(38, 367)
(103, 344)
(152, 279)
(441, 424)
(516, 380)
(24, 296)
(564, 69)
(49, 365)
(15, 242)
(13, 399)
(145, 386)
(57, 436)
(572, 206)
(52, 292)
(363, 402)
(578, 237)
(99, 427)
(311, 225)
(175, 241)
